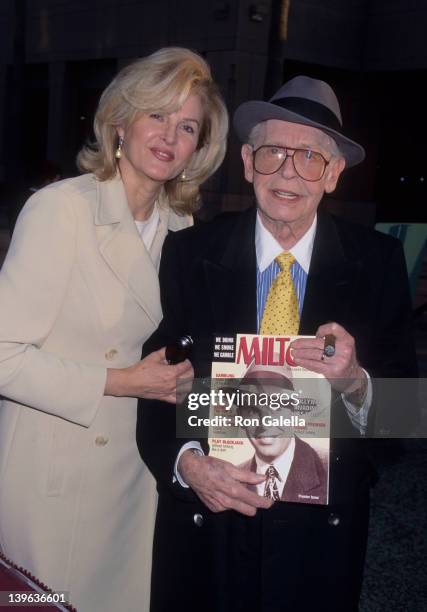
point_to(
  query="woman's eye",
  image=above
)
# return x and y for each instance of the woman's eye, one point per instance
(157, 116)
(188, 128)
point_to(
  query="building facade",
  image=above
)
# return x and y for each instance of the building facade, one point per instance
(58, 55)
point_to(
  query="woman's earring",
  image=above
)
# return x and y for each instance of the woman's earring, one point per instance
(119, 148)
(183, 176)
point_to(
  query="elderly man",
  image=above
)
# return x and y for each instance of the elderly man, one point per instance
(283, 267)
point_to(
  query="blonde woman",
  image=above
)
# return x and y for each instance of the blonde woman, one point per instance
(78, 297)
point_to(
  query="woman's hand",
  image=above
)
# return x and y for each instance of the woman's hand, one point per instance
(150, 378)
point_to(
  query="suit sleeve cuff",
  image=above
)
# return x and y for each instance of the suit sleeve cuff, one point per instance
(176, 475)
(359, 414)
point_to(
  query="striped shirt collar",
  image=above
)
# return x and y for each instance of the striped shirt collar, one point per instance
(267, 247)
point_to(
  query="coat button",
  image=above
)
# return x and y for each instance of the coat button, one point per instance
(111, 354)
(334, 520)
(198, 520)
(101, 441)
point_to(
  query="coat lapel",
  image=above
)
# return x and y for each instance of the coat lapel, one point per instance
(330, 283)
(303, 476)
(231, 280)
(123, 250)
(169, 221)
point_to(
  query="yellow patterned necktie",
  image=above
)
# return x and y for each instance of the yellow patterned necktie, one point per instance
(281, 314)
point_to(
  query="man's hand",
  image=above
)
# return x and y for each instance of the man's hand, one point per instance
(221, 485)
(342, 369)
(150, 378)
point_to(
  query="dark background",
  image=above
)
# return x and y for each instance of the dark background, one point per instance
(56, 56)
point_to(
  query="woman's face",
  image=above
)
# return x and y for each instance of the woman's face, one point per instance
(158, 146)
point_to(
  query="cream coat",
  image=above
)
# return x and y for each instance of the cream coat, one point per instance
(78, 293)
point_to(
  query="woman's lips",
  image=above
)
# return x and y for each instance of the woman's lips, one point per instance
(163, 155)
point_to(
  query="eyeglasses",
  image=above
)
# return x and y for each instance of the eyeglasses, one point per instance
(309, 165)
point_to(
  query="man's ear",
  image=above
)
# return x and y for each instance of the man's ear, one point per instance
(248, 164)
(333, 172)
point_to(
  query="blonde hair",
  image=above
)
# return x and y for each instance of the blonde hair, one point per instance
(161, 82)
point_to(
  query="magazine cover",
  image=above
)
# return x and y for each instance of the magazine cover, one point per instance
(271, 416)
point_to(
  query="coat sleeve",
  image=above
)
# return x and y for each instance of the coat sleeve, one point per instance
(33, 285)
(156, 424)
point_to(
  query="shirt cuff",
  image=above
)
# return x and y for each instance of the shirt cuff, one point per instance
(176, 475)
(359, 415)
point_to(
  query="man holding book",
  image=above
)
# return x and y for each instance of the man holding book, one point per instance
(282, 268)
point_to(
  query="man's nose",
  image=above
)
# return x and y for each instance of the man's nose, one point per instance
(288, 169)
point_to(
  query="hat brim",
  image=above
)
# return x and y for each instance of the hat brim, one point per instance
(249, 114)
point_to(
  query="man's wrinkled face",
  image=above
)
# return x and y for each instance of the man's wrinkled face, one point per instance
(284, 197)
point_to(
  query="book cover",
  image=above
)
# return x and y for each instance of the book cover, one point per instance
(271, 416)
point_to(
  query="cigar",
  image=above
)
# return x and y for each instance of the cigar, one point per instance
(329, 346)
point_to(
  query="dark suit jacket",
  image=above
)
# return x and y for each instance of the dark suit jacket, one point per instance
(307, 476)
(293, 556)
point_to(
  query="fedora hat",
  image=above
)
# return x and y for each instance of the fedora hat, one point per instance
(301, 100)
